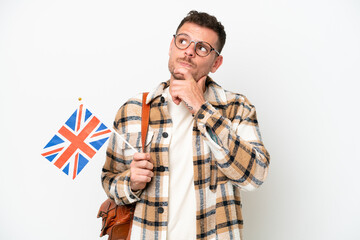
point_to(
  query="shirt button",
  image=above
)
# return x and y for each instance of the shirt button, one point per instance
(161, 169)
(162, 99)
(165, 134)
(201, 116)
(160, 210)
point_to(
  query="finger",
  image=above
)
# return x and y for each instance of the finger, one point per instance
(174, 96)
(145, 179)
(141, 156)
(138, 179)
(144, 164)
(176, 100)
(143, 172)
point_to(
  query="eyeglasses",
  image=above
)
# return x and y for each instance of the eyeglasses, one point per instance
(202, 49)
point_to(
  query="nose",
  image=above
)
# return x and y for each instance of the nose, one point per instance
(190, 50)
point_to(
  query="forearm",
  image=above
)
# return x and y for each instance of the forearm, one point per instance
(115, 176)
(236, 145)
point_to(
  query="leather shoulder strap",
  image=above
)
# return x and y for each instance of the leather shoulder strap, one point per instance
(145, 112)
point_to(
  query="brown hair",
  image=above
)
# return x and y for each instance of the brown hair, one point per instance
(205, 20)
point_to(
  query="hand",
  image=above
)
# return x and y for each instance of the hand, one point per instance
(141, 171)
(188, 90)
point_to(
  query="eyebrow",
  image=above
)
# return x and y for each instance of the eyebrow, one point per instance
(196, 40)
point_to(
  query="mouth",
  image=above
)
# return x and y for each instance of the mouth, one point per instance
(185, 64)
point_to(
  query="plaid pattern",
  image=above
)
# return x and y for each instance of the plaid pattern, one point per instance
(228, 155)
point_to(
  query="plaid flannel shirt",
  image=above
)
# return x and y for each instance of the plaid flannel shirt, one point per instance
(228, 155)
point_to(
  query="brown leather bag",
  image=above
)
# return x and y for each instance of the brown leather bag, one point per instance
(117, 219)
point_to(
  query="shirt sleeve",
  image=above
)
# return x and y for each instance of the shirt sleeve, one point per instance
(115, 175)
(235, 142)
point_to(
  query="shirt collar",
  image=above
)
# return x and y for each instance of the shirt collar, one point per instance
(214, 93)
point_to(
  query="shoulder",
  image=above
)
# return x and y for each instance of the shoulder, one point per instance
(129, 113)
(221, 97)
(238, 106)
(237, 99)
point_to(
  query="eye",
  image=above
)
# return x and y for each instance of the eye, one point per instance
(182, 40)
(203, 48)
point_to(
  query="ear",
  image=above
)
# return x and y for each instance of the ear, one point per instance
(217, 63)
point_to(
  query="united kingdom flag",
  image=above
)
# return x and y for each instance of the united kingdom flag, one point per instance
(77, 141)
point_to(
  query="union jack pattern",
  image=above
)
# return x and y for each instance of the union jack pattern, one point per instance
(77, 141)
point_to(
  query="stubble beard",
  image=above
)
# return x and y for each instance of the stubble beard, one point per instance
(179, 76)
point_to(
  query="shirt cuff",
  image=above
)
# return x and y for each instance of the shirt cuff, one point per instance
(132, 196)
(205, 121)
(205, 111)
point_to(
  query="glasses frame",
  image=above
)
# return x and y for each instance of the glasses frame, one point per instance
(195, 43)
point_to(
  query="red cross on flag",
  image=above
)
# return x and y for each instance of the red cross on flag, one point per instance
(77, 141)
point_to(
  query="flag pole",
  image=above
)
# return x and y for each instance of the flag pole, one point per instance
(122, 138)
(114, 131)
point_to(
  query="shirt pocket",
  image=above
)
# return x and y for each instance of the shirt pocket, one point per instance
(134, 139)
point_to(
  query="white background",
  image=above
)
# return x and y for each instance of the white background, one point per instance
(297, 61)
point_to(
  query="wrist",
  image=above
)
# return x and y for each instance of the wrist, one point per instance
(200, 110)
(198, 106)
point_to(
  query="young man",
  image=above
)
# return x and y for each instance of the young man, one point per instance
(203, 146)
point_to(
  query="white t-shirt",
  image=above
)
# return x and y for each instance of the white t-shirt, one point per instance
(182, 201)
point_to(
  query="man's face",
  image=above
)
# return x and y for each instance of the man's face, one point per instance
(188, 59)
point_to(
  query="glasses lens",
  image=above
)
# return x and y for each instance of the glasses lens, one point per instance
(182, 41)
(203, 49)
